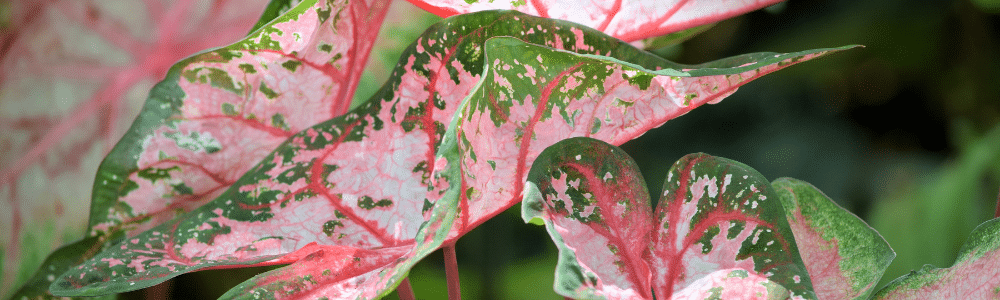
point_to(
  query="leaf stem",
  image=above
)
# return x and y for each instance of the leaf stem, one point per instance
(405, 291)
(997, 214)
(451, 272)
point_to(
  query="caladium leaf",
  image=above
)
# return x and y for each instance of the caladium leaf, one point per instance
(845, 257)
(532, 96)
(975, 274)
(219, 112)
(364, 179)
(718, 223)
(623, 19)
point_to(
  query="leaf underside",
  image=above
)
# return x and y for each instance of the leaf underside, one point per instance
(375, 178)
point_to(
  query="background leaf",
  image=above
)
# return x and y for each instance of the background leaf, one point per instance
(623, 19)
(975, 274)
(845, 257)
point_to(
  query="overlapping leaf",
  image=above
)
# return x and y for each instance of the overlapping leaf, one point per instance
(482, 184)
(719, 227)
(844, 256)
(975, 274)
(364, 179)
(628, 20)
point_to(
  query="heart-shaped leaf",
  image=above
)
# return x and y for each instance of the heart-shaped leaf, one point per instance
(844, 256)
(718, 223)
(370, 180)
(975, 274)
(623, 19)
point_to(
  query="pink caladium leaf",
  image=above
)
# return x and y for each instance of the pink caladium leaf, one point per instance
(718, 228)
(371, 179)
(533, 96)
(624, 19)
(975, 274)
(844, 256)
(404, 122)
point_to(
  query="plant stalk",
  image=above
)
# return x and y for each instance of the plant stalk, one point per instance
(451, 272)
(997, 214)
(405, 291)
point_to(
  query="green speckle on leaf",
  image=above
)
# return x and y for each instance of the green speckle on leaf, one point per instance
(706, 239)
(325, 48)
(714, 293)
(195, 141)
(330, 226)
(493, 164)
(739, 274)
(291, 65)
(278, 121)
(335, 58)
(183, 189)
(367, 202)
(154, 174)
(596, 126)
(248, 68)
(268, 92)
(216, 77)
(228, 109)
(641, 79)
(518, 3)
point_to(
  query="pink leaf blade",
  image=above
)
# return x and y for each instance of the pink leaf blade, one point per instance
(626, 20)
(318, 186)
(596, 208)
(732, 284)
(844, 256)
(975, 274)
(718, 214)
(582, 95)
(238, 101)
(333, 272)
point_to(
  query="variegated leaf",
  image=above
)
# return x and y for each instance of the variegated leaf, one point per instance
(365, 179)
(975, 274)
(501, 129)
(399, 131)
(719, 229)
(219, 112)
(717, 214)
(845, 257)
(623, 19)
(596, 208)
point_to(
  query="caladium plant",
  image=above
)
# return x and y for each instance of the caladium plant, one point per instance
(248, 154)
(721, 231)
